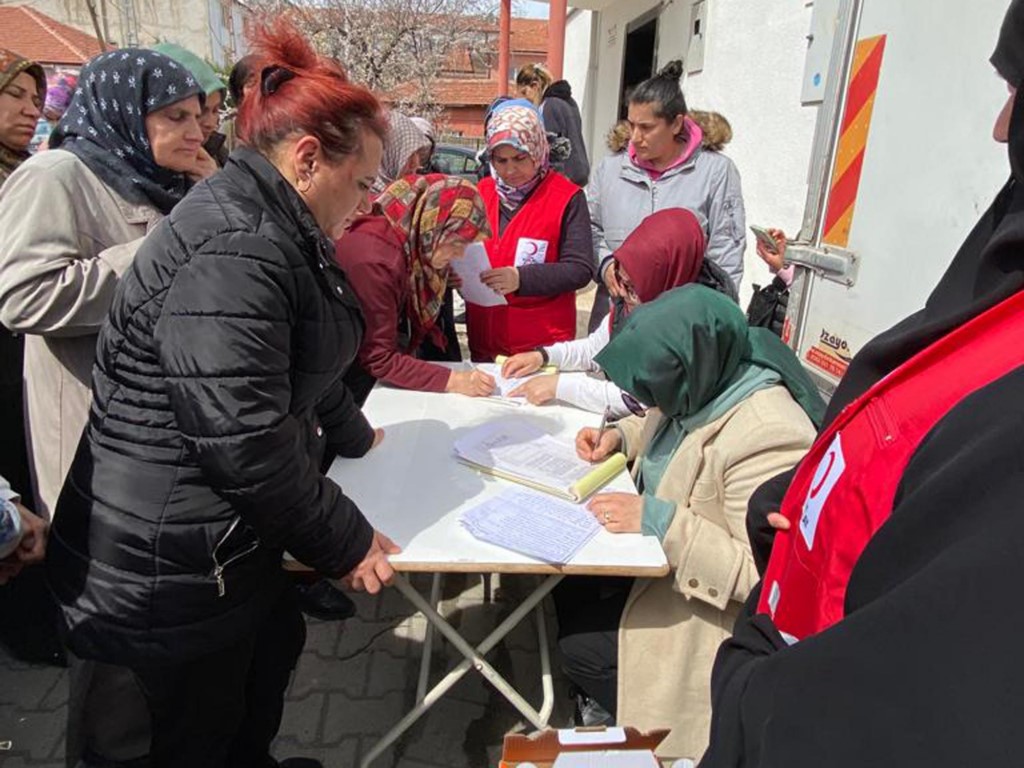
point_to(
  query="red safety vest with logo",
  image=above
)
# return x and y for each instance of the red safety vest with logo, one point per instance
(843, 490)
(533, 236)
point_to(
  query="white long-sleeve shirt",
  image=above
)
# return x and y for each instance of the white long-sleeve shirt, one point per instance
(578, 382)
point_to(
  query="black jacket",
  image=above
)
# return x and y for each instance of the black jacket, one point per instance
(226, 339)
(562, 116)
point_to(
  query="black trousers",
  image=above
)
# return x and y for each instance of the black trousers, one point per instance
(589, 609)
(221, 710)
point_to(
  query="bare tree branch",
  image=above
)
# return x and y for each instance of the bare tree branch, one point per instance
(399, 48)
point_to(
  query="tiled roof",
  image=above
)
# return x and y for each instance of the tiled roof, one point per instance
(530, 36)
(38, 37)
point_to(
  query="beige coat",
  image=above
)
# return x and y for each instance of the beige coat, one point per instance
(65, 239)
(671, 627)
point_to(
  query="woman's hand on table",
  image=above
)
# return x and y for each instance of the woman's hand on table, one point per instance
(378, 436)
(503, 280)
(618, 512)
(538, 390)
(594, 445)
(474, 383)
(522, 364)
(375, 571)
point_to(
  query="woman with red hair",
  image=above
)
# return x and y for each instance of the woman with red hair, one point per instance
(217, 398)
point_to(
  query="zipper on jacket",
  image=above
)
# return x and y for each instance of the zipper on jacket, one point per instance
(218, 567)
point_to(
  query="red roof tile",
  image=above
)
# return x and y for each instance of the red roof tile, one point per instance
(40, 38)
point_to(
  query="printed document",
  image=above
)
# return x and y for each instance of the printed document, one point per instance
(516, 450)
(533, 524)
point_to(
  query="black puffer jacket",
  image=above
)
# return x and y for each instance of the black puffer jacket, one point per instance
(227, 337)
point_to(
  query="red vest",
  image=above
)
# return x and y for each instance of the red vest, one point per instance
(532, 236)
(843, 490)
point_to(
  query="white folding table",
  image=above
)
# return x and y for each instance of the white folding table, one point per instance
(412, 489)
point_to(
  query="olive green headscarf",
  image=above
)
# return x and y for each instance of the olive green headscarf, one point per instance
(12, 65)
(688, 347)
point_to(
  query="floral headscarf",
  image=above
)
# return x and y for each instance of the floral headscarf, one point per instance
(518, 124)
(12, 65)
(105, 124)
(403, 139)
(427, 211)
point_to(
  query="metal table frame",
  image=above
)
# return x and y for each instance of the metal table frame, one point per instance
(474, 658)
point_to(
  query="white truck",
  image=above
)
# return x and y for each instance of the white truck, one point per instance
(902, 167)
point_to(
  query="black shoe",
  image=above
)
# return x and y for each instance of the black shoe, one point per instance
(322, 600)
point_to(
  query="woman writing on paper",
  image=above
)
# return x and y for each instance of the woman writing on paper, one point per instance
(541, 251)
(731, 407)
(664, 252)
(398, 261)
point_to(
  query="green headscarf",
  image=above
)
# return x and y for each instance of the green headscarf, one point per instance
(689, 346)
(204, 74)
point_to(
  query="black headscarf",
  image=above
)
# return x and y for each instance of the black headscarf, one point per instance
(105, 124)
(1008, 58)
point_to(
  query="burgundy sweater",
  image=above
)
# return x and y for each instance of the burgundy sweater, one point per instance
(373, 259)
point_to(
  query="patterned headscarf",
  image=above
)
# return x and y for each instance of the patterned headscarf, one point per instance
(402, 141)
(105, 124)
(58, 96)
(518, 124)
(12, 65)
(426, 212)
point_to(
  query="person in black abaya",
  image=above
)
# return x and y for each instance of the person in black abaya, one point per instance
(924, 667)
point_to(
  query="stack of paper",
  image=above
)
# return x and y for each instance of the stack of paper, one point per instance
(535, 525)
(517, 450)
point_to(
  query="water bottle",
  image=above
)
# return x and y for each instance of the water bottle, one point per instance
(10, 528)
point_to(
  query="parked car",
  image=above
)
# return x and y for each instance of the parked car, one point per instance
(455, 160)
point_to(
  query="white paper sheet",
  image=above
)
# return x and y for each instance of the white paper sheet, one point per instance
(469, 268)
(504, 385)
(533, 524)
(521, 449)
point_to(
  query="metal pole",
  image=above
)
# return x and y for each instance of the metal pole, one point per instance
(557, 10)
(504, 46)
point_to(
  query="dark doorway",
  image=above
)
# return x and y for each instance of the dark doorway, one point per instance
(638, 58)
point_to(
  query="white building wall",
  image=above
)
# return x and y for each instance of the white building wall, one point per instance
(576, 68)
(753, 69)
(753, 72)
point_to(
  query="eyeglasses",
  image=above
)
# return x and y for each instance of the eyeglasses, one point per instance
(635, 406)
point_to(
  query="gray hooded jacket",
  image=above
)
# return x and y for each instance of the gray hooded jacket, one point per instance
(621, 195)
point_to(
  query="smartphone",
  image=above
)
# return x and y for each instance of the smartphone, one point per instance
(764, 236)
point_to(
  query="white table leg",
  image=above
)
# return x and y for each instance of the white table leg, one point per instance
(474, 659)
(545, 666)
(428, 639)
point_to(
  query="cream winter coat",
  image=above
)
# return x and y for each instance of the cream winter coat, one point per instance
(671, 627)
(65, 239)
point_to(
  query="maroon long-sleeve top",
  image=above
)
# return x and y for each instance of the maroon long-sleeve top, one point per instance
(373, 259)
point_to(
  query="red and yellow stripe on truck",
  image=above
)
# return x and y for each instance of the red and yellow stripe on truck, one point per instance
(853, 139)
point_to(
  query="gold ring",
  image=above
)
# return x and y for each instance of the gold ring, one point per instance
(607, 517)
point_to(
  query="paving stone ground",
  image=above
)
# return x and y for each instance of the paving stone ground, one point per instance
(355, 679)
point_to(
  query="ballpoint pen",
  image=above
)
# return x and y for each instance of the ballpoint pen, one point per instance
(604, 423)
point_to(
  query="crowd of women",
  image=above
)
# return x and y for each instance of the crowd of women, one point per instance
(193, 334)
